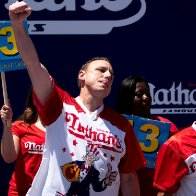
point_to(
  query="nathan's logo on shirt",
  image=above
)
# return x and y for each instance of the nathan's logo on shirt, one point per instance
(103, 138)
(34, 148)
(82, 17)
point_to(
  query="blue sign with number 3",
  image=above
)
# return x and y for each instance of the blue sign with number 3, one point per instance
(9, 55)
(151, 134)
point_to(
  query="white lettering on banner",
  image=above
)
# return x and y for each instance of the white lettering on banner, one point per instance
(50, 5)
(89, 5)
(173, 96)
(173, 110)
(80, 26)
(116, 5)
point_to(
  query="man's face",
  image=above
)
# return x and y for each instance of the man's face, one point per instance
(98, 77)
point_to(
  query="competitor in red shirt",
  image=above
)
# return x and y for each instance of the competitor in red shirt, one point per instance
(133, 98)
(76, 124)
(175, 172)
(23, 142)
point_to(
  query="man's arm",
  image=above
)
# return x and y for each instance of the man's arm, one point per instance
(129, 184)
(40, 78)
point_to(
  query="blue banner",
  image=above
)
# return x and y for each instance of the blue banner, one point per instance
(151, 134)
(9, 56)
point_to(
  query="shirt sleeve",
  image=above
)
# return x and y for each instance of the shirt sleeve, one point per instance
(19, 128)
(51, 110)
(134, 158)
(170, 169)
(15, 130)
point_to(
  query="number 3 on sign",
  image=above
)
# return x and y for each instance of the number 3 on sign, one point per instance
(9, 47)
(151, 137)
(151, 134)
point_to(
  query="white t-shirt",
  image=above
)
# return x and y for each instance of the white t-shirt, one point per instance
(83, 150)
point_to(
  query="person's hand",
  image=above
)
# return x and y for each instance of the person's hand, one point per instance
(6, 114)
(19, 11)
(110, 176)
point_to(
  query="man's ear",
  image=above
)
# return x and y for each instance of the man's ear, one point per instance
(81, 75)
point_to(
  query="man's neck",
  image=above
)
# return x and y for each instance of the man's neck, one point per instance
(91, 103)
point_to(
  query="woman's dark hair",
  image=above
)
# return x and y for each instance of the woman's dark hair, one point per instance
(126, 92)
(30, 114)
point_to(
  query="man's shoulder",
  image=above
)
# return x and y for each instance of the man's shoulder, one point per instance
(182, 136)
(188, 128)
(114, 118)
(114, 114)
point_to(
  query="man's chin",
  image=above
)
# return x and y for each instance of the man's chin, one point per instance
(105, 94)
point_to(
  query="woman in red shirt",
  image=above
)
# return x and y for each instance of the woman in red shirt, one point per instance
(22, 142)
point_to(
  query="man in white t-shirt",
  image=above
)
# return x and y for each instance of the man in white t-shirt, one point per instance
(90, 149)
